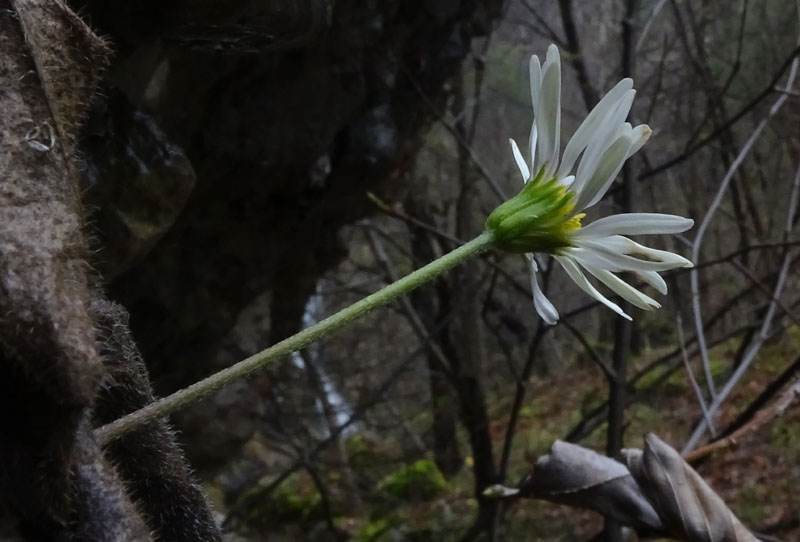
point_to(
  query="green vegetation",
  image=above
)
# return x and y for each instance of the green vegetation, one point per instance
(296, 500)
(420, 480)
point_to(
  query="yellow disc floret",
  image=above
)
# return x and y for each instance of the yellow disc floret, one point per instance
(574, 223)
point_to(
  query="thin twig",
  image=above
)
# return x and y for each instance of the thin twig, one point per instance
(788, 62)
(761, 418)
(408, 309)
(646, 28)
(764, 290)
(787, 375)
(576, 54)
(695, 386)
(488, 177)
(545, 28)
(607, 371)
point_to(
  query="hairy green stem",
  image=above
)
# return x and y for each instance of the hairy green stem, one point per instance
(217, 381)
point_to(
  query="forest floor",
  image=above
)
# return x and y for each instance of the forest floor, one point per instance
(757, 476)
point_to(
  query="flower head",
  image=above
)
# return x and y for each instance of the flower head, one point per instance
(545, 217)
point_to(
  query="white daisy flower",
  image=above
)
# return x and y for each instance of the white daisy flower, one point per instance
(545, 217)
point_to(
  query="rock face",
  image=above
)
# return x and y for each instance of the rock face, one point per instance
(238, 137)
(137, 182)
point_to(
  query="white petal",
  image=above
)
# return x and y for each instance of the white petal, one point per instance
(605, 172)
(523, 167)
(540, 302)
(535, 69)
(653, 279)
(552, 53)
(547, 113)
(615, 262)
(576, 275)
(554, 58)
(624, 290)
(640, 136)
(532, 147)
(603, 138)
(594, 258)
(541, 263)
(586, 131)
(566, 182)
(624, 245)
(635, 224)
(606, 254)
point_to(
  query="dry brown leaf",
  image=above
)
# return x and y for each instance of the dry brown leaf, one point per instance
(689, 509)
(658, 493)
(579, 477)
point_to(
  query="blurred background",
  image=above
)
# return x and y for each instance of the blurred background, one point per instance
(256, 166)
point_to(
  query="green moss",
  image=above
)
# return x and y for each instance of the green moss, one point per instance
(677, 380)
(793, 332)
(419, 480)
(651, 378)
(372, 531)
(364, 452)
(785, 438)
(539, 441)
(750, 505)
(296, 500)
(593, 398)
(357, 445)
(531, 411)
(643, 419)
(719, 366)
(674, 379)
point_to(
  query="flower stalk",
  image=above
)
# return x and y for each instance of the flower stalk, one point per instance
(217, 381)
(543, 218)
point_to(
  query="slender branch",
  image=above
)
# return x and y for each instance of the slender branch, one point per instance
(764, 290)
(650, 19)
(755, 346)
(768, 89)
(692, 380)
(607, 371)
(488, 177)
(623, 329)
(576, 54)
(732, 255)
(704, 223)
(410, 312)
(759, 419)
(324, 501)
(545, 28)
(720, 93)
(791, 372)
(519, 398)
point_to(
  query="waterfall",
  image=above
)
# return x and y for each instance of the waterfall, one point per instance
(340, 407)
